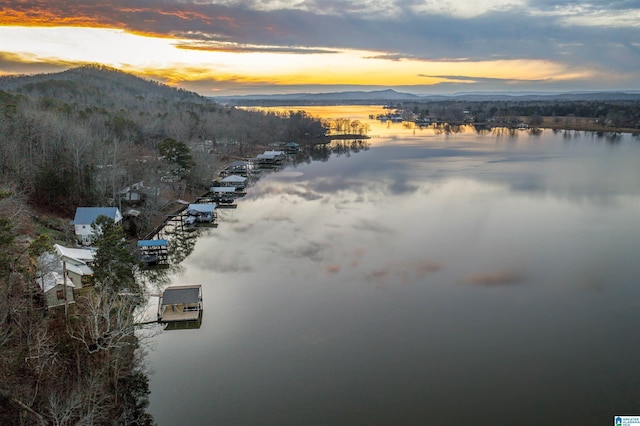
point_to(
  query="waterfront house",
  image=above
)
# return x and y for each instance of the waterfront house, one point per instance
(53, 285)
(76, 263)
(86, 216)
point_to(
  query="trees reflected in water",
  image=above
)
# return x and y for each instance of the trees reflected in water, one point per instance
(322, 152)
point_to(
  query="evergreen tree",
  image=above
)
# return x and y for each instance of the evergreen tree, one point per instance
(178, 155)
(113, 260)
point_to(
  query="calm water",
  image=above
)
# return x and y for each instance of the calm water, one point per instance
(434, 278)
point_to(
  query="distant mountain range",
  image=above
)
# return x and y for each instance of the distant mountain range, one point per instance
(390, 95)
(101, 83)
(311, 98)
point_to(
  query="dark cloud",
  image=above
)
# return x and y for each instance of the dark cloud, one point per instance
(593, 5)
(235, 48)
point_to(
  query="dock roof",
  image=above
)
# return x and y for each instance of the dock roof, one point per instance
(181, 294)
(234, 179)
(223, 189)
(152, 243)
(202, 207)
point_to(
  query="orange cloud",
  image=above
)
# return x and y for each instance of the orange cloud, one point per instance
(46, 14)
(182, 14)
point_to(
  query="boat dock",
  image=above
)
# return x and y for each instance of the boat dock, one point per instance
(153, 253)
(180, 303)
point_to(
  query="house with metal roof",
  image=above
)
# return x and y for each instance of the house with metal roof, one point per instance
(86, 216)
(76, 264)
(54, 287)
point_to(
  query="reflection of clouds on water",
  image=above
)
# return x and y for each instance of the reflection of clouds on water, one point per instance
(277, 217)
(320, 336)
(373, 226)
(380, 276)
(304, 193)
(222, 263)
(288, 191)
(333, 269)
(408, 272)
(424, 267)
(333, 185)
(402, 186)
(228, 218)
(306, 250)
(243, 228)
(576, 173)
(357, 255)
(390, 260)
(494, 279)
(288, 174)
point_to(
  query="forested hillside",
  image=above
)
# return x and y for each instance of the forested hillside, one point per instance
(79, 136)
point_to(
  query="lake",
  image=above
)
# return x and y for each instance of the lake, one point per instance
(429, 277)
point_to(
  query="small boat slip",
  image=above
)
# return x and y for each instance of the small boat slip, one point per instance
(180, 303)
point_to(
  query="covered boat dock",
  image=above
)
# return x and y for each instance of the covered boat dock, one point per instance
(153, 252)
(180, 303)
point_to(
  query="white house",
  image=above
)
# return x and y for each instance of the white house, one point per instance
(77, 264)
(85, 216)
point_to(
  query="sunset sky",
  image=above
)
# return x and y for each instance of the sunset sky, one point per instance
(233, 47)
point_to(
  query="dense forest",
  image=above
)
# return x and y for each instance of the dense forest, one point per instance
(78, 138)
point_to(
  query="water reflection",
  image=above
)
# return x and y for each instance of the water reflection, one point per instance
(464, 277)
